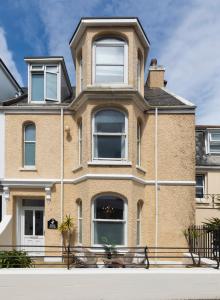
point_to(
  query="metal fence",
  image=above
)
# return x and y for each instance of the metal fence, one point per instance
(204, 242)
(106, 256)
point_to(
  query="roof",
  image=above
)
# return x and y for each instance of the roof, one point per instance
(94, 19)
(11, 77)
(155, 97)
(160, 97)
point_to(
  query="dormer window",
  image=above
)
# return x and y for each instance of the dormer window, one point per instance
(110, 61)
(44, 82)
(214, 142)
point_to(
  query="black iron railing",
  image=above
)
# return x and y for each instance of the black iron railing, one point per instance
(102, 257)
(208, 200)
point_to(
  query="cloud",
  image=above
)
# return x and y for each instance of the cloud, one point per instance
(191, 57)
(7, 57)
(60, 19)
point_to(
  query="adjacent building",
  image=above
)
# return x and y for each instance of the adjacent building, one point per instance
(116, 152)
(207, 173)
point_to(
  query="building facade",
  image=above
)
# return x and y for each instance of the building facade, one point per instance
(207, 173)
(116, 152)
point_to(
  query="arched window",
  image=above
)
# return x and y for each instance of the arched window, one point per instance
(80, 141)
(139, 73)
(79, 212)
(29, 144)
(109, 135)
(138, 237)
(109, 220)
(138, 143)
(110, 61)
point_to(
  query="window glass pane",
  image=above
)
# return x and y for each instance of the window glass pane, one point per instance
(28, 223)
(29, 154)
(52, 69)
(109, 74)
(80, 210)
(33, 202)
(199, 192)
(112, 233)
(37, 87)
(51, 87)
(199, 180)
(110, 55)
(80, 231)
(30, 132)
(108, 207)
(110, 121)
(138, 233)
(215, 136)
(215, 148)
(39, 222)
(109, 147)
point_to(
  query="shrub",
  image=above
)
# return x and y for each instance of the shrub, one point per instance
(15, 259)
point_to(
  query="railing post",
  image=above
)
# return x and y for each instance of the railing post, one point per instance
(68, 257)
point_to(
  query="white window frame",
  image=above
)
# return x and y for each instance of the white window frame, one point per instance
(79, 220)
(97, 159)
(42, 69)
(139, 213)
(124, 221)
(212, 141)
(24, 141)
(117, 43)
(203, 185)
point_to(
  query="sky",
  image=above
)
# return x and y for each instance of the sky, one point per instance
(184, 36)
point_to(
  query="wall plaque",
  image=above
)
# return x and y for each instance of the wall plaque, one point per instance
(52, 224)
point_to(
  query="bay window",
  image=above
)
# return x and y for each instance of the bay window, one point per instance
(109, 135)
(110, 61)
(109, 220)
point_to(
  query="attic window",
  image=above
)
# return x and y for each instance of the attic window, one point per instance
(110, 61)
(214, 142)
(44, 82)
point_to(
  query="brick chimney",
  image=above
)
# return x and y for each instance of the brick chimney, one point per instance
(155, 76)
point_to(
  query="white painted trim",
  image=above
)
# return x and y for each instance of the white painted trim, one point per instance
(4, 223)
(109, 22)
(109, 163)
(42, 183)
(183, 100)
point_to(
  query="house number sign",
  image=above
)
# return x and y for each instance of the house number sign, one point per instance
(52, 224)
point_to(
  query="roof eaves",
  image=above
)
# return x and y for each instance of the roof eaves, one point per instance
(10, 75)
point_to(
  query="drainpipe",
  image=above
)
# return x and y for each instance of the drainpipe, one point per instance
(61, 164)
(156, 179)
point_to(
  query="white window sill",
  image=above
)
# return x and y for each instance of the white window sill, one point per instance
(77, 169)
(140, 169)
(109, 163)
(116, 85)
(28, 169)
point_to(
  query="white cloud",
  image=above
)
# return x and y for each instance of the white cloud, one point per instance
(7, 57)
(60, 19)
(191, 57)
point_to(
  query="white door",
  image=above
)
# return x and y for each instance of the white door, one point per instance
(32, 233)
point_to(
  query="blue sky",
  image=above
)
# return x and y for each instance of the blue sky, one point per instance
(184, 36)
